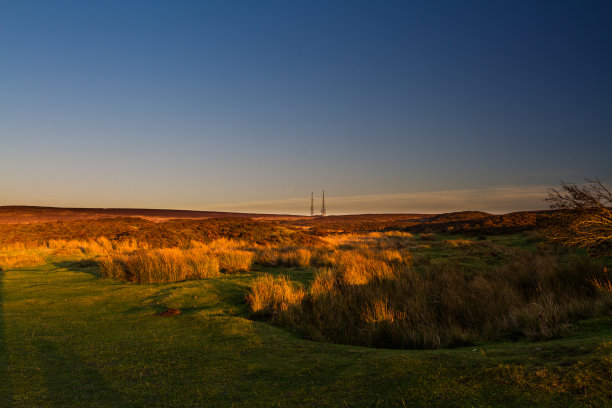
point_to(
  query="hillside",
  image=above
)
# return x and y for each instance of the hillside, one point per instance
(31, 214)
(89, 220)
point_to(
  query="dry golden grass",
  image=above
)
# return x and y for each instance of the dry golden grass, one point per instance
(235, 260)
(603, 284)
(224, 244)
(458, 243)
(357, 268)
(290, 256)
(18, 246)
(322, 257)
(161, 265)
(15, 258)
(231, 255)
(195, 260)
(369, 290)
(19, 254)
(378, 298)
(299, 257)
(133, 261)
(266, 256)
(369, 240)
(95, 247)
(272, 296)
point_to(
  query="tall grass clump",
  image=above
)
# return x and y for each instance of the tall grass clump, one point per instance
(275, 297)
(389, 239)
(192, 260)
(297, 257)
(94, 247)
(235, 260)
(266, 256)
(380, 299)
(160, 265)
(287, 256)
(14, 258)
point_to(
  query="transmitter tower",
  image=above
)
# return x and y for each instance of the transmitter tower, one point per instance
(312, 204)
(323, 211)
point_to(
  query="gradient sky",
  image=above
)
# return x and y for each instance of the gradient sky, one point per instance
(411, 106)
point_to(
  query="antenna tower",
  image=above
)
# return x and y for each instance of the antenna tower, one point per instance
(312, 204)
(323, 212)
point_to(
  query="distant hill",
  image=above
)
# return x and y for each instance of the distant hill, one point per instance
(463, 221)
(476, 222)
(31, 214)
(460, 216)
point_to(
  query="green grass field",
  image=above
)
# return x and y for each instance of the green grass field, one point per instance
(70, 338)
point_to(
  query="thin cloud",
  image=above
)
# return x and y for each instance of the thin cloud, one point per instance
(494, 200)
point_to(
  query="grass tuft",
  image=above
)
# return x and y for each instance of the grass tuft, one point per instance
(380, 299)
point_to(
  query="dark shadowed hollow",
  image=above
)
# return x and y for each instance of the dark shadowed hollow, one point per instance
(366, 301)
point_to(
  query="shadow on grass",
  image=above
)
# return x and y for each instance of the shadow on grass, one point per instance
(5, 395)
(86, 266)
(304, 276)
(70, 381)
(230, 292)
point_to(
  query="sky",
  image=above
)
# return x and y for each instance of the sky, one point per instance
(390, 106)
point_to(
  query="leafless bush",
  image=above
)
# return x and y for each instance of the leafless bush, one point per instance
(585, 219)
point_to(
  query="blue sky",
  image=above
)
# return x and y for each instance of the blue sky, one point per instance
(251, 105)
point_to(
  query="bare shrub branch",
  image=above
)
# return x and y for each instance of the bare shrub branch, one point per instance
(586, 219)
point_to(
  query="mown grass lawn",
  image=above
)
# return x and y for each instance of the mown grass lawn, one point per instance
(70, 338)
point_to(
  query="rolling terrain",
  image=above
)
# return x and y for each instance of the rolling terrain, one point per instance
(463, 220)
(70, 338)
(32, 214)
(142, 308)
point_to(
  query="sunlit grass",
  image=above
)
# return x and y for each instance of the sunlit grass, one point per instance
(12, 258)
(77, 340)
(381, 298)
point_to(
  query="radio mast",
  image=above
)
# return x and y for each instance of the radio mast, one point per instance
(312, 204)
(323, 212)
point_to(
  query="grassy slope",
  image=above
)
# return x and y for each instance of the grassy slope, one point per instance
(69, 338)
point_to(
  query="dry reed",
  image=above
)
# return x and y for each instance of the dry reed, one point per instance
(378, 298)
(161, 265)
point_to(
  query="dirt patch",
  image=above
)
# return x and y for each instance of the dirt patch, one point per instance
(169, 313)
